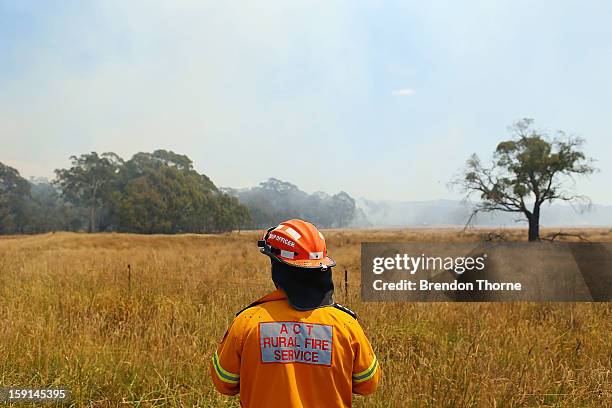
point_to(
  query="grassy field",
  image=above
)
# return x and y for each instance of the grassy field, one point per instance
(73, 315)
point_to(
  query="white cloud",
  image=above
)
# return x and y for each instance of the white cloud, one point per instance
(403, 92)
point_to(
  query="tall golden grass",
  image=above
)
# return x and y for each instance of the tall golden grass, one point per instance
(73, 315)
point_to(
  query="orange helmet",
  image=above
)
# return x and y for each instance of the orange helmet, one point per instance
(296, 243)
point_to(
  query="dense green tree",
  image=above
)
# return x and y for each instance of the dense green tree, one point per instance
(230, 213)
(89, 182)
(141, 208)
(160, 192)
(48, 211)
(33, 206)
(14, 197)
(527, 171)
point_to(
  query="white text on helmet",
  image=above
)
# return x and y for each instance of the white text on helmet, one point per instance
(282, 239)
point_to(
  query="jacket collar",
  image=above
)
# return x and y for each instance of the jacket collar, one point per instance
(278, 294)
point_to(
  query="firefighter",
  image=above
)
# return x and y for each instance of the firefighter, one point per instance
(295, 347)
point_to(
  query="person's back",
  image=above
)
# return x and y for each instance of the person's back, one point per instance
(274, 354)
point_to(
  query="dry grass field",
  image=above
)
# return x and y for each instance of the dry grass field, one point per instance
(71, 315)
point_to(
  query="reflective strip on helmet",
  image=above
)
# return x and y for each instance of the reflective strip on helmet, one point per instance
(315, 255)
(294, 234)
(321, 236)
(224, 375)
(286, 254)
(366, 374)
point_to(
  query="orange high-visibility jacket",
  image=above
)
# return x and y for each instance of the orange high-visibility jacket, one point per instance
(277, 356)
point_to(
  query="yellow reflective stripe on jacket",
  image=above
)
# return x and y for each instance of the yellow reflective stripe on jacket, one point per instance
(366, 374)
(223, 374)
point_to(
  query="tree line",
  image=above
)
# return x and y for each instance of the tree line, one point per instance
(153, 193)
(157, 192)
(273, 201)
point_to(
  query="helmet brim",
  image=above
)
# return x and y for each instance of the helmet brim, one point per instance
(310, 263)
(326, 262)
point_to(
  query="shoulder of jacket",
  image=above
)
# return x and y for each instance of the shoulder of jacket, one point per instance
(345, 310)
(248, 307)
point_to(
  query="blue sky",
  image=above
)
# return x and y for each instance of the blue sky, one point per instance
(380, 99)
